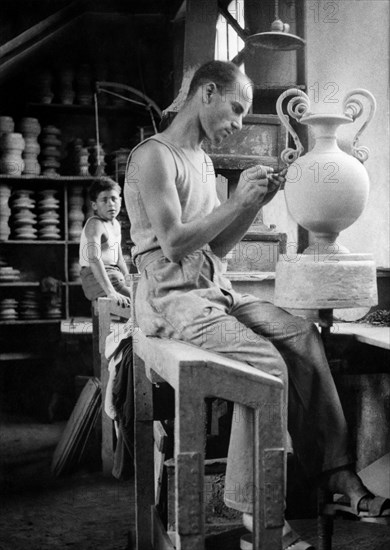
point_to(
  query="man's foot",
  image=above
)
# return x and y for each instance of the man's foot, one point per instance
(290, 539)
(357, 499)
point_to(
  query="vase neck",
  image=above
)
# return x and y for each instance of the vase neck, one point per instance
(324, 128)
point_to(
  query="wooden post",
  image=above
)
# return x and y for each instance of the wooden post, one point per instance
(143, 455)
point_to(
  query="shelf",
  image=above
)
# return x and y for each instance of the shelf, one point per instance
(75, 109)
(20, 356)
(19, 283)
(36, 241)
(31, 322)
(52, 179)
(36, 283)
(272, 89)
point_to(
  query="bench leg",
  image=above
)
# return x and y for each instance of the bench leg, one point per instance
(269, 459)
(143, 455)
(189, 471)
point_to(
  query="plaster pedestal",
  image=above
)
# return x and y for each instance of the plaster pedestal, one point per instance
(326, 281)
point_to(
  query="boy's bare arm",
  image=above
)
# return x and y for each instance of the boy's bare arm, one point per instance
(94, 232)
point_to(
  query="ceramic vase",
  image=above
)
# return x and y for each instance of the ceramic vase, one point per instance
(30, 128)
(11, 146)
(77, 162)
(75, 213)
(50, 140)
(326, 191)
(5, 211)
(97, 162)
(43, 87)
(84, 94)
(66, 92)
(7, 125)
(119, 162)
(74, 270)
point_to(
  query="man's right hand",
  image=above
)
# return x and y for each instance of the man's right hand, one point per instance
(252, 186)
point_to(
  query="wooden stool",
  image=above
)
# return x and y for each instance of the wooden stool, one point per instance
(195, 374)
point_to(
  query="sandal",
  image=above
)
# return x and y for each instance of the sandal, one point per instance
(297, 544)
(290, 540)
(378, 508)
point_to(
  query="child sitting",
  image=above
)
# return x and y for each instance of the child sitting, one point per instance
(103, 269)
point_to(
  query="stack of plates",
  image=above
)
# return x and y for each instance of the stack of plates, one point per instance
(72, 444)
(8, 274)
(8, 309)
(29, 307)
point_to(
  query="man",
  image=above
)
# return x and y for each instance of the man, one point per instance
(181, 232)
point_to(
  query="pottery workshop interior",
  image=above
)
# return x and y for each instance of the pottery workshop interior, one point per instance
(194, 275)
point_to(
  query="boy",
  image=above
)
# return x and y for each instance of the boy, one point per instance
(103, 269)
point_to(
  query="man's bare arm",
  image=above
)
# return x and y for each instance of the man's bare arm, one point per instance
(228, 238)
(156, 172)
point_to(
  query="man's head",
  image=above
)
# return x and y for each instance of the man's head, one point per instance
(224, 74)
(224, 96)
(104, 194)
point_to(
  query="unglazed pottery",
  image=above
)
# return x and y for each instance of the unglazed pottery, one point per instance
(12, 146)
(7, 125)
(326, 191)
(75, 213)
(5, 211)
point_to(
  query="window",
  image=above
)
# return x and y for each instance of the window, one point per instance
(228, 43)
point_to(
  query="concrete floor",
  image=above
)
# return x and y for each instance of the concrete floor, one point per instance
(86, 511)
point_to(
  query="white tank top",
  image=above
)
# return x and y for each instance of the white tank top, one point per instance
(197, 195)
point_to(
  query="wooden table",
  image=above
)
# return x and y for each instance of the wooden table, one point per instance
(372, 335)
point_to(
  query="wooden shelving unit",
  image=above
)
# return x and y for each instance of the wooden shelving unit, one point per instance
(42, 249)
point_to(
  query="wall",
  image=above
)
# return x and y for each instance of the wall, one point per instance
(347, 48)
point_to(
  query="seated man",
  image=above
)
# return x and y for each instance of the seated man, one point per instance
(103, 269)
(181, 232)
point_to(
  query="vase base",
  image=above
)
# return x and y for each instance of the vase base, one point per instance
(323, 281)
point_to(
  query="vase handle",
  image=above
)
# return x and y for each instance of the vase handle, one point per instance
(353, 108)
(296, 108)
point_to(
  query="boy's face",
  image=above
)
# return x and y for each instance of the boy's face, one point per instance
(107, 204)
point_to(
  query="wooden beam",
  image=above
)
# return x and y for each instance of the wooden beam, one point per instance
(242, 33)
(41, 29)
(26, 44)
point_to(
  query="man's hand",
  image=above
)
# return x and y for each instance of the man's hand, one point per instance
(256, 184)
(119, 299)
(276, 179)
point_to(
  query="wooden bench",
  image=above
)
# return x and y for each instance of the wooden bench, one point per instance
(195, 374)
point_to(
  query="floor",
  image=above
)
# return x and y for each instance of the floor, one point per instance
(86, 511)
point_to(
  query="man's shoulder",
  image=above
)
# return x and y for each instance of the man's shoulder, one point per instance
(153, 154)
(156, 144)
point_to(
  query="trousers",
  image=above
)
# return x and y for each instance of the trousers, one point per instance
(193, 301)
(92, 288)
